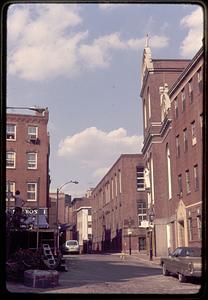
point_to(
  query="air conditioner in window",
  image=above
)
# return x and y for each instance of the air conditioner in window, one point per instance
(34, 140)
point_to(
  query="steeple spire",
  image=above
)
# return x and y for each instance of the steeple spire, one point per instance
(147, 41)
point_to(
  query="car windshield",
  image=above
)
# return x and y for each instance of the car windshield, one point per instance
(72, 243)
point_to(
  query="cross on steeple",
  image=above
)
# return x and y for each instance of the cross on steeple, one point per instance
(147, 41)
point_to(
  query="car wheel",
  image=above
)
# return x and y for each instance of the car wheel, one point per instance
(164, 270)
(181, 278)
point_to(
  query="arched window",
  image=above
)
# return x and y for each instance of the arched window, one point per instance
(169, 172)
(149, 102)
(145, 114)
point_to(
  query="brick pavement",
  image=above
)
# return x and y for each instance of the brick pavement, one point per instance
(15, 287)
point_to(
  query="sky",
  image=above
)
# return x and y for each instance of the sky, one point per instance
(83, 62)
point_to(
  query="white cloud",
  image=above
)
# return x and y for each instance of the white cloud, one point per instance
(109, 6)
(97, 150)
(40, 43)
(44, 43)
(193, 40)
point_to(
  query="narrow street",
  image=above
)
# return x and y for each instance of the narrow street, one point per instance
(91, 274)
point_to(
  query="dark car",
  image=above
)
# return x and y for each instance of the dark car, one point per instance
(184, 262)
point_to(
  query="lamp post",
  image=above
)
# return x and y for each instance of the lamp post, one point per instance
(151, 225)
(57, 199)
(129, 234)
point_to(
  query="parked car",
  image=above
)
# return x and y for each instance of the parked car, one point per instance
(184, 262)
(71, 246)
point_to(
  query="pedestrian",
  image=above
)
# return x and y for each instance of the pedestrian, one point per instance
(19, 202)
(123, 252)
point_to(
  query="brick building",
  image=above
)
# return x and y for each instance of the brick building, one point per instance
(119, 206)
(27, 159)
(171, 92)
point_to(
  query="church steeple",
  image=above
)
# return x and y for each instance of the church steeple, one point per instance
(147, 59)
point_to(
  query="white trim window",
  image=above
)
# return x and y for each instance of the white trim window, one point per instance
(190, 89)
(32, 132)
(198, 219)
(11, 132)
(10, 187)
(140, 178)
(176, 107)
(169, 172)
(196, 178)
(32, 191)
(193, 131)
(32, 160)
(116, 185)
(188, 184)
(11, 160)
(190, 229)
(149, 102)
(119, 179)
(141, 211)
(185, 140)
(177, 146)
(199, 75)
(145, 114)
(183, 100)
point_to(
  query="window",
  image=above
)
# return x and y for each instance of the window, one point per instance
(11, 160)
(193, 131)
(185, 140)
(199, 75)
(198, 219)
(90, 224)
(149, 102)
(190, 229)
(180, 187)
(199, 78)
(89, 211)
(119, 179)
(112, 190)
(190, 89)
(142, 243)
(145, 115)
(183, 100)
(169, 172)
(141, 211)
(10, 188)
(201, 120)
(32, 160)
(31, 191)
(176, 107)
(196, 178)
(11, 132)
(32, 132)
(116, 186)
(177, 146)
(188, 188)
(140, 178)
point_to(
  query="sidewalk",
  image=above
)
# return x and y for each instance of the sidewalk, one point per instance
(143, 257)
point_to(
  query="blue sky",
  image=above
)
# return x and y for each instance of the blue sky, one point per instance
(83, 62)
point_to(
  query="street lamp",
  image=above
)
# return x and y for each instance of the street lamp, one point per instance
(151, 225)
(129, 233)
(57, 199)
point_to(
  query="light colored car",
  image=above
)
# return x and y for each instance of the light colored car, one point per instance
(71, 246)
(184, 261)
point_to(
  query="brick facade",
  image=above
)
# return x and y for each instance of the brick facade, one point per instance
(170, 152)
(28, 158)
(115, 207)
